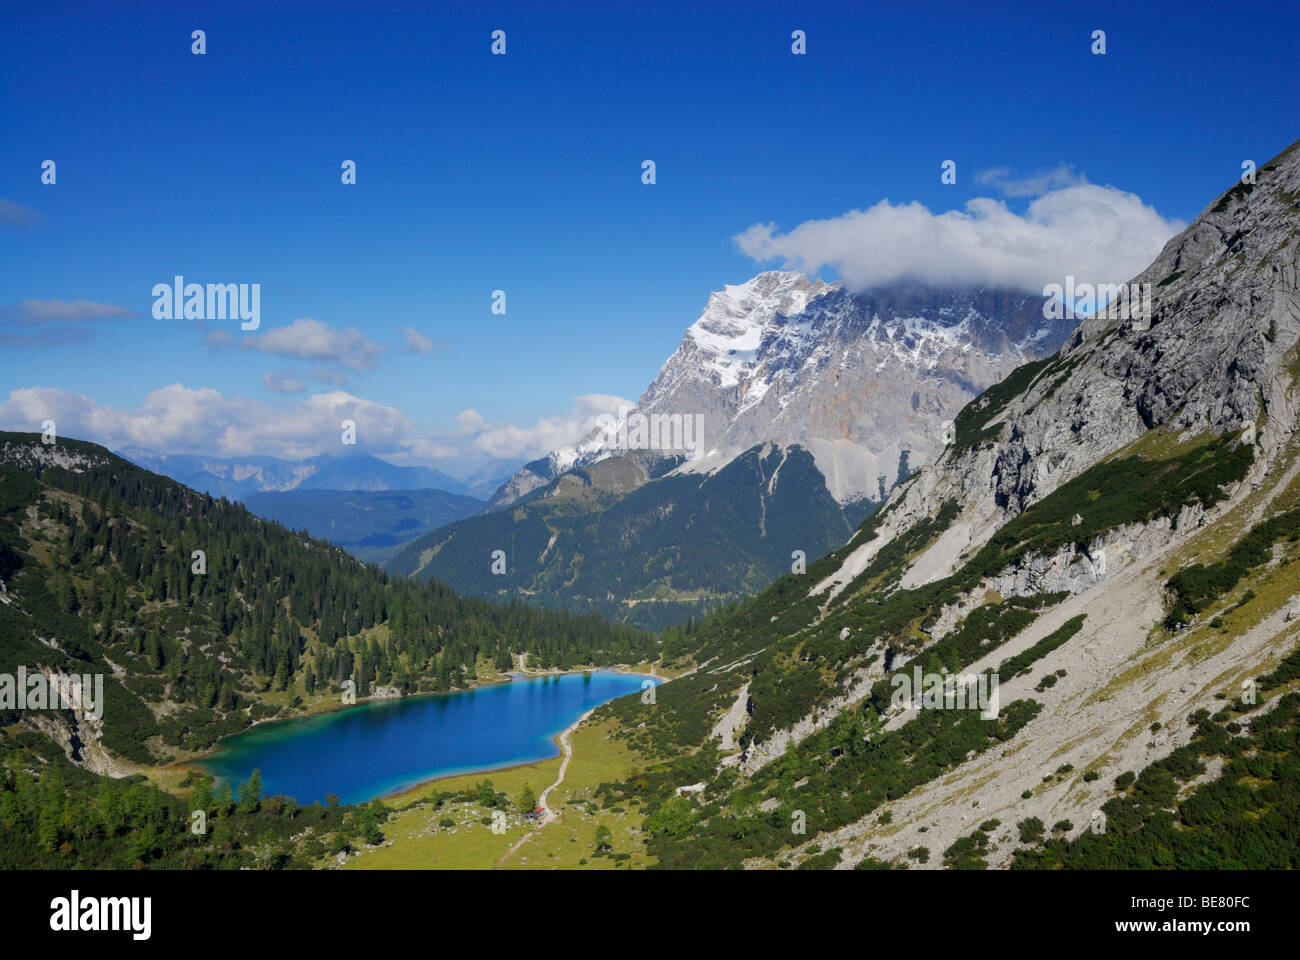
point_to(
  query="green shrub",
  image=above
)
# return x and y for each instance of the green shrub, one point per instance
(1031, 830)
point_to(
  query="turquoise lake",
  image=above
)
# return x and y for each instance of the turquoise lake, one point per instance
(374, 749)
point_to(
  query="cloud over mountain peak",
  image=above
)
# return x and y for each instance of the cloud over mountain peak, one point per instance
(1096, 233)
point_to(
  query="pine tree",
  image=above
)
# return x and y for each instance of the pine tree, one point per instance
(250, 793)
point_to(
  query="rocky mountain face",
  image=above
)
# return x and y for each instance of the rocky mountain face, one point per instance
(1113, 534)
(854, 388)
(862, 381)
(1210, 358)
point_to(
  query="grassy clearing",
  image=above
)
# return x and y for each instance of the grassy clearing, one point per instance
(418, 841)
(597, 759)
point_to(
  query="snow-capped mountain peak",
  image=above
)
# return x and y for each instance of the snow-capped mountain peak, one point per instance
(730, 333)
(864, 381)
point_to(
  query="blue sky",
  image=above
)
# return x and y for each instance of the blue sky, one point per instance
(523, 173)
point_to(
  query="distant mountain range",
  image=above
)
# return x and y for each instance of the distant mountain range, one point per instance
(369, 524)
(239, 477)
(807, 404)
(863, 381)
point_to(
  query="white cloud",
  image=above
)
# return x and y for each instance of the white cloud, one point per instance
(1033, 185)
(416, 342)
(44, 337)
(16, 215)
(421, 450)
(278, 382)
(178, 419)
(471, 421)
(310, 339)
(1099, 234)
(333, 378)
(32, 312)
(506, 441)
(56, 322)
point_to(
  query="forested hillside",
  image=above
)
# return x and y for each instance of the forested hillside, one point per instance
(204, 618)
(648, 551)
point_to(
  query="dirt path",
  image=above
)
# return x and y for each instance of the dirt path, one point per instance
(548, 815)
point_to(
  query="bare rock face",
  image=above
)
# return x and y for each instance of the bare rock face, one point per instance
(1217, 354)
(1210, 358)
(75, 457)
(864, 382)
